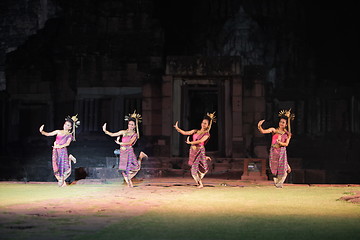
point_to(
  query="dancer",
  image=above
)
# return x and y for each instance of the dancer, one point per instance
(280, 140)
(197, 157)
(128, 163)
(60, 158)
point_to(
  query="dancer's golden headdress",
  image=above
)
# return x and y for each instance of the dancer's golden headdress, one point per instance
(289, 115)
(212, 119)
(137, 118)
(75, 124)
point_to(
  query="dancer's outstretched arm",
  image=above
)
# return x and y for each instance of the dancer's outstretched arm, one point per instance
(191, 132)
(264, 131)
(48, 134)
(111, 134)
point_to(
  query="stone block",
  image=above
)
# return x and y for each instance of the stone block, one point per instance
(258, 90)
(151, 164)
(166, 89)
(150, 173)
(235, 174)
(170, 172)
(166, 165)
(295, 163)
(315, 176)
(238, 149)
(96, 173)
(261, 152)
(259, 105)
(237, 103)
(236, 89)
(221, 167)
(112, 162)
(296, 176)
(167, 78)
(254, 176)
(259, 116)
(237, 165)
(146, 91)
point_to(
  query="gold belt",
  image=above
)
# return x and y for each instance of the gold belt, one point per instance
(124, 148)
(195, 147)
(276, 145)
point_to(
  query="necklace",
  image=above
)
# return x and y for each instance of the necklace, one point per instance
(279, 131)
(201, 131)
(129, 132)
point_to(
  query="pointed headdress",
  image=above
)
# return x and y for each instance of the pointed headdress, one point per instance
(137, 118)
(75, 124)
(290, 116)
(212, 119)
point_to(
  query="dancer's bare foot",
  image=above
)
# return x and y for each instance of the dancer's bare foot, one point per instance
(143, 155)
(200, 184)
(72, 158)
(61, 182)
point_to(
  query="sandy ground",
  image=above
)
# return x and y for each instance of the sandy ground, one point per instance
(67, 217)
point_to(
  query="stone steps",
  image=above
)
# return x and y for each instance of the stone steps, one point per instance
(231, 168)
(163, 167)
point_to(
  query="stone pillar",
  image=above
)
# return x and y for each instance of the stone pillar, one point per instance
(228, 118)
(254, 111)
(151, 107)
(152, 119)
(237, 118)
(166, 107)
(176, 114)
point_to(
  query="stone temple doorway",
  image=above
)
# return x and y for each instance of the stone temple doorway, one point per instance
(198, 100)
(200, 85)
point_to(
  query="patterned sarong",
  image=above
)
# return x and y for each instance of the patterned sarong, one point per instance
(278, 157)
(128, 162)
(198, 162)
(60, 158)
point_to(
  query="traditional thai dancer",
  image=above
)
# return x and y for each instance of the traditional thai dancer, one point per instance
(129, 164)
(61, 161)
(197, 158)
(280, 140)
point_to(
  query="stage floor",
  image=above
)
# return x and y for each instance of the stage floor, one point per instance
(173, 208)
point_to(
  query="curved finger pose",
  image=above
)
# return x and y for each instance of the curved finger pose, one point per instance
(60, 158)
(197, 157)
(128, 163)
(280, 140)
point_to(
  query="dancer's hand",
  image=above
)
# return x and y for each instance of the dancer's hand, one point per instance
(260, 123)
(104, 127)
(188, 140)
(176, 125)
(118, 141)
(56, 146)
(41, 129)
